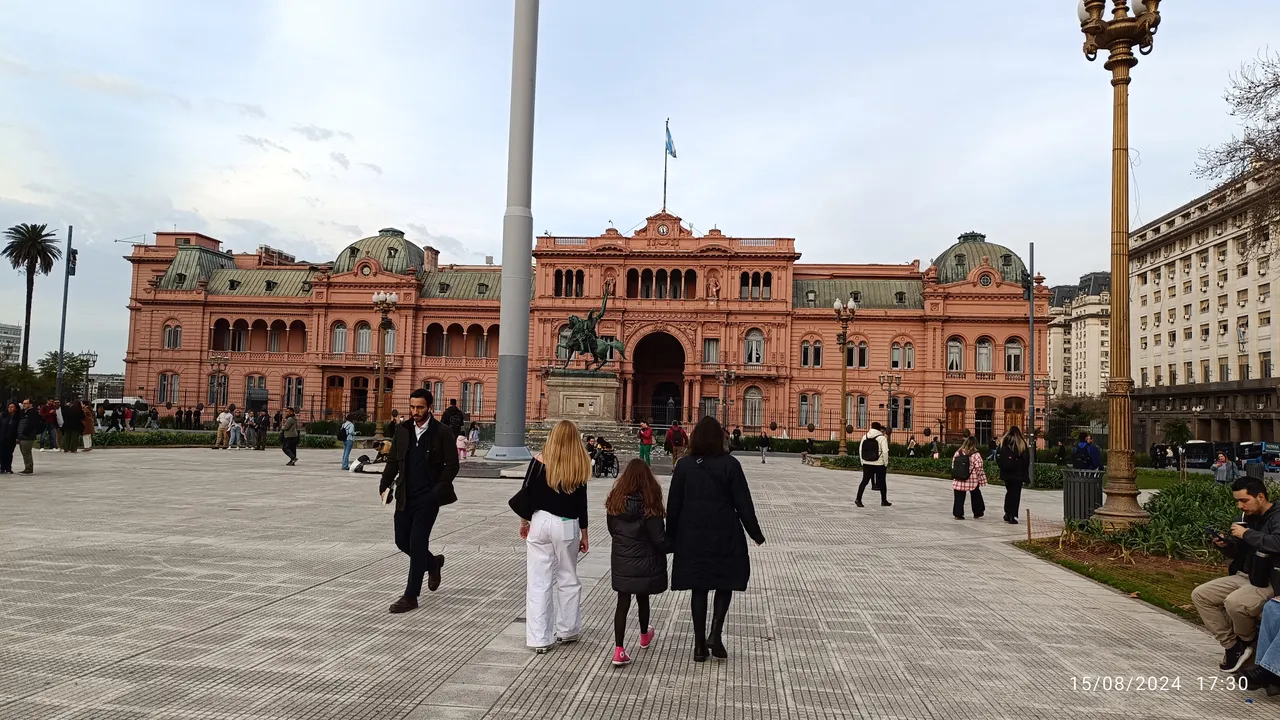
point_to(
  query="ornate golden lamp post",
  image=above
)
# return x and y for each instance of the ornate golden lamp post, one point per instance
(725, 377)
(890, 382)
(845, 315)
(1127, 28)
(218, 366)
(384, 303)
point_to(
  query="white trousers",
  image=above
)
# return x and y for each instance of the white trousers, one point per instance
(553, 591)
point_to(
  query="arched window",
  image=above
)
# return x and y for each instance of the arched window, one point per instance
(983, 355)
(168, 392)
(251, 383)
(909, 353)
(558, 290)
(804, 409)
(240, 336)
(755, 286)
(293, 391)
(753, 407)
(956, 409)
(864, 354)
(660, 285)
(433, 341)
(863, 415)
(1013, 355)
(744, 291)
(754, 348)
(562, 352)
(339, 341)
(850, 409)
(1015, 413)
(895, 356)
(172, 337)
(804, 353)
(633, 283)
(677, 284)
(646, 284)
(766, 291)
(217, 390)
(900, 413)
(955, 355)
(817, 353)
(389, 338)
(364, 336)
(578, 284)
(900, 298)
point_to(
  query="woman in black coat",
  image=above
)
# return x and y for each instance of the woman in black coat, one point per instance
(1014, 461)
(8, 436)
(708, 507)
(638, 561)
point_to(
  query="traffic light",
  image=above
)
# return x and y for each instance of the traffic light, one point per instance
(71, 262)
(1026, 286)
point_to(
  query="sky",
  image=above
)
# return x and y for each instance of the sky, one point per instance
(868, 136)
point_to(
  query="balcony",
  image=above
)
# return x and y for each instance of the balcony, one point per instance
(957, 375)
(360, 360)
(985, 375)
(1015, 377)
(436, 361)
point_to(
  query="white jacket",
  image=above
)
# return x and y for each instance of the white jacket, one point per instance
(882, 441)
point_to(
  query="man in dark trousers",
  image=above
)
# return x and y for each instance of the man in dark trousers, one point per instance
(418, 476)
(289, 436)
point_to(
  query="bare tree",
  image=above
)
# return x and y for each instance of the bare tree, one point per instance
(1254, 98)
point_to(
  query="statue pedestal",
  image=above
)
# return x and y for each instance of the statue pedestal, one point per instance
(583, 396)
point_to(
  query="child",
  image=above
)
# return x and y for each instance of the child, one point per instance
(473, 439)
(461, 444)
(639, 556)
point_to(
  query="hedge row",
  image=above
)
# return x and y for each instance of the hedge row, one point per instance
(160, 438)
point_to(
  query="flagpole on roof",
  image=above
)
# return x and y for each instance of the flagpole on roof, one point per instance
(664, 167)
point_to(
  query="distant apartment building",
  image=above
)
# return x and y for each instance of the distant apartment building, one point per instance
(1080, 336)
(10, 343)
(1200, 323)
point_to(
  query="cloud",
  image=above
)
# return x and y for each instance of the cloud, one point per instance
(263, 143)
(301, 174)
(319, 134)
(446, 244)
(10, 65)
(37, 187)
(371, 166)
(312, 200)
(245, 109)
(116, 85)
(340, 159)
(348, 229)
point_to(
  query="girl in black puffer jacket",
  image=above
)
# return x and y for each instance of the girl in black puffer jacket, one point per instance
(639, 556)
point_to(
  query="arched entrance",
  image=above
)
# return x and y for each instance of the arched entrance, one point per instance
(657, 379)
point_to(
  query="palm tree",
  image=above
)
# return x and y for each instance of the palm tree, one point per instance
(33, 248)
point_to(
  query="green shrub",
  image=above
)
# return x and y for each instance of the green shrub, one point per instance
(161, 438)
(1179, 514)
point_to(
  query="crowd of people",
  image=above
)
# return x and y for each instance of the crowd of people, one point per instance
(703, 524)
(53, 426)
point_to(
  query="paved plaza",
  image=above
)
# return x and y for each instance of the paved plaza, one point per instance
(202, 584)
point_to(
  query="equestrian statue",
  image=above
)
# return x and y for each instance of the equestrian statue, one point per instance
(583, 339)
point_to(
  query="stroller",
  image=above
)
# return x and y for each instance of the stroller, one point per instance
(604, 462)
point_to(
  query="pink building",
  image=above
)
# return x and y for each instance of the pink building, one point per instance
(688, 310)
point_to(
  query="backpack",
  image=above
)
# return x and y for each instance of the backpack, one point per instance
(870, 449)
(342, 432)
(1080, 459)
(960, 467)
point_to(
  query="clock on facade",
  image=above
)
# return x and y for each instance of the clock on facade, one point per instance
(365, 270)
(663, 229)
(985, 280)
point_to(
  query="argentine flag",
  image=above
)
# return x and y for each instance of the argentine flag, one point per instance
(671, 145)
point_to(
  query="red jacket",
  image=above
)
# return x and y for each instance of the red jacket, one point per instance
(646, 436)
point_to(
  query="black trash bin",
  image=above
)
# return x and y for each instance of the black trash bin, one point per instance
(1081, 493)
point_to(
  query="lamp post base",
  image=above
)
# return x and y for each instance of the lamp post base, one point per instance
(844, 448)
(1121, 508)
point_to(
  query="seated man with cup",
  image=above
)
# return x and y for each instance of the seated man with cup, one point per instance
(1230, 605)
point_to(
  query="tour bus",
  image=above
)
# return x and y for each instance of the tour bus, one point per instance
(1199, 453)
(1258, 452)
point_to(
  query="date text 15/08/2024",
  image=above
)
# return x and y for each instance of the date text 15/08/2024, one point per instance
(1153, 683)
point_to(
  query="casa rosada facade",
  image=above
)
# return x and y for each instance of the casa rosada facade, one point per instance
(710, 323)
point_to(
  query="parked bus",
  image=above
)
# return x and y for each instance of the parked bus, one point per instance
(1199, 453)
(1258, 452)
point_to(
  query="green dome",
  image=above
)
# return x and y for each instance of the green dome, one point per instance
(955, 264)
(389, 247)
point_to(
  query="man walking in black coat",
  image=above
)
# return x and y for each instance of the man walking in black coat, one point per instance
(453, 418)
(30, 426)
(418, 476)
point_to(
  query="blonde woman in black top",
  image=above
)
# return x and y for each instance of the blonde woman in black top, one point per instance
(554, 536)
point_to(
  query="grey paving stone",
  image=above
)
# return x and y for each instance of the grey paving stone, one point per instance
(196, 584)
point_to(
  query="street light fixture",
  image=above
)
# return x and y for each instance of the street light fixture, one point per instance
(218, 367)
(1195, 411)
(384, 303)
(725, 377)
(889, 382)
(844, 315)
(90, 359)
(1127, 28)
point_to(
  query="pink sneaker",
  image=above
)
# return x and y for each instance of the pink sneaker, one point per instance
(620, 657)
(646, 638)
